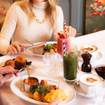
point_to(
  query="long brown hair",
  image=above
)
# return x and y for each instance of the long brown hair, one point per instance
(50, 10)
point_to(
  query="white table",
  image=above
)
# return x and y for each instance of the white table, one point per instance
(98, 39)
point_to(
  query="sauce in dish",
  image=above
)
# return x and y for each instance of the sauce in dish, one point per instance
(90, 80)
(89, 49)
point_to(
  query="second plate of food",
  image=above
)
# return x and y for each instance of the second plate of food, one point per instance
(40, 48)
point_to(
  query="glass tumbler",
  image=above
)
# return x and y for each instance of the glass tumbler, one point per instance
(70, 65)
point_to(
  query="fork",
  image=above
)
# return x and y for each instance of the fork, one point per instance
(37, 43)
(34, 44)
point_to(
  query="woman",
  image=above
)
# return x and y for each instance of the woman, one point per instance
(31, 21)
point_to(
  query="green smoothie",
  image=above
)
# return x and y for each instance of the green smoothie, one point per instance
(70, 65)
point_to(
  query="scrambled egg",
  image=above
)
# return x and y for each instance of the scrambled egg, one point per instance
(57, 94)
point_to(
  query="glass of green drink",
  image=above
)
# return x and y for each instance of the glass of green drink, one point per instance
(70, 66)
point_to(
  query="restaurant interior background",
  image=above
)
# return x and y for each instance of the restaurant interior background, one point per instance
(78, 13)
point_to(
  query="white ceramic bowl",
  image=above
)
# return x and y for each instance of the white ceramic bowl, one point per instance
(90, 84)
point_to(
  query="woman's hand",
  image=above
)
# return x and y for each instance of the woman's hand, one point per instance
(16, 48)
(5, 74)
(69, 31)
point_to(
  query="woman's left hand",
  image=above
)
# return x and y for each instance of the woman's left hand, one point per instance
(70, 31)
(5, 74)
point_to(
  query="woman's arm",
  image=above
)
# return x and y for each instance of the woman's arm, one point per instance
(59, 21)
(8, 29)
(61, 27)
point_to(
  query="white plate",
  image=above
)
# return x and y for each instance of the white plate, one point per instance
(70, 92)
(96, 53)
(37, 48)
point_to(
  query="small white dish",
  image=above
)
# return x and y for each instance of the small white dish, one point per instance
(95, 56)
(89, 85)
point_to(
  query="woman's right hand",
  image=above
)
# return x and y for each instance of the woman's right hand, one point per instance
(16, 48)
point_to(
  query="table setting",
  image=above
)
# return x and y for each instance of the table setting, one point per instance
(71, 87)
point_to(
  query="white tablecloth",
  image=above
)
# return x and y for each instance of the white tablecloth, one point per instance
(97, 39)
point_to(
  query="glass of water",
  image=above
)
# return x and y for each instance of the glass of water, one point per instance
(52, 64)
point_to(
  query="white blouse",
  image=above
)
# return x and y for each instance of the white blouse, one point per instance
(18, 27)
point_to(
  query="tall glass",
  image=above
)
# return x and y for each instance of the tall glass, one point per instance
(63, 45)
(52, 64)
(70, 65)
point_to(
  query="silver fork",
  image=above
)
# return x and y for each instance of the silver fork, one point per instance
(35, 44)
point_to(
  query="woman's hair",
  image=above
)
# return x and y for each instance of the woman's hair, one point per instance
(50, 10)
